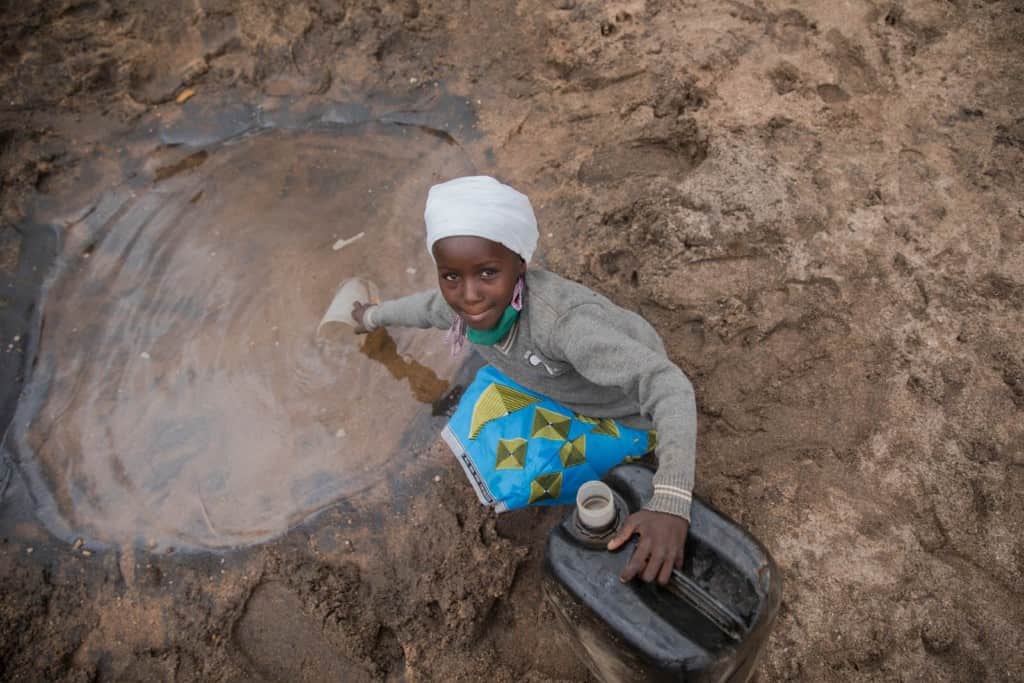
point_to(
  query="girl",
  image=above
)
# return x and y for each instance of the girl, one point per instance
(574, 384)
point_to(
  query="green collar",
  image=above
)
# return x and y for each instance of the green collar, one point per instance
(497, 333)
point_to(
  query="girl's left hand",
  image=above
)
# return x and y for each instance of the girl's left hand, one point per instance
(660, 548)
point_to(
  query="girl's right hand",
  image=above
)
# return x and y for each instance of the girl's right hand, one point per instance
(358, 309)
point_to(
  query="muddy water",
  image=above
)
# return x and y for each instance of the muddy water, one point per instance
(181, 395)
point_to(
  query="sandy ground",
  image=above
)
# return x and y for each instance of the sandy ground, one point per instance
(818, 204)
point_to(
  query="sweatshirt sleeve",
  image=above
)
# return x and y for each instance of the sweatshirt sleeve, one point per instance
(423, 309)
(603, 351)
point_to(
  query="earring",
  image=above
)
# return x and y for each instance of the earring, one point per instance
(517, 294)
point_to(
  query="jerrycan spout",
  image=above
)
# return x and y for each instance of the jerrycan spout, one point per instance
(596, 512)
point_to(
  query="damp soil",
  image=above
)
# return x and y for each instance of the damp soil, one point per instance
(818, 205)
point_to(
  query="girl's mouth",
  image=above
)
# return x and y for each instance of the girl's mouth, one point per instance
(476, 317)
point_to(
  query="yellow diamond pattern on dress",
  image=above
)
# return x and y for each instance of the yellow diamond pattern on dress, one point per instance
(652, 440)
(511, 454)
(574, 452)
(604, 426)
(607, 427)
(497, 401)
(548, 424)
(545, 487)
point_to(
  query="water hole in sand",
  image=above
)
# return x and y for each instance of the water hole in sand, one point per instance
(180, 395)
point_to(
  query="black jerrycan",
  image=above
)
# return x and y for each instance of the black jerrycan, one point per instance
(710, 623)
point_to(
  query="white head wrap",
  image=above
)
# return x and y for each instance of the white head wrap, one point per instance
(480, 206)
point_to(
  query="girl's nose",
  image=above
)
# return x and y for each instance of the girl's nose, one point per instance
(471, 292)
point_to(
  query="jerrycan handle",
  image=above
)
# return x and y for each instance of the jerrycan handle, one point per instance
(598, 517)
(690, 592)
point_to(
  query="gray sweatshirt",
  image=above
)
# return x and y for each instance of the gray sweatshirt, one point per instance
(595, 358)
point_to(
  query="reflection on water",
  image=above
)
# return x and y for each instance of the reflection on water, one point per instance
(180, 395)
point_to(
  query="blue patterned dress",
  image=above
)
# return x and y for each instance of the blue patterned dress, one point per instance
(520, 448)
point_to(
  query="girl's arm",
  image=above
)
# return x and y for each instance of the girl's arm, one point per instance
(606, 353)
(424, 310)
(604, 349)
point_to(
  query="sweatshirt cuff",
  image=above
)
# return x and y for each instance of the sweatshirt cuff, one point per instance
(671, 498)
(370, 318)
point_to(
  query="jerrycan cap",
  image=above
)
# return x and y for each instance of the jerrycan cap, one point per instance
(595, 507)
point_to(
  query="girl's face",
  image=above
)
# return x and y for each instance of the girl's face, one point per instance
(477, 278)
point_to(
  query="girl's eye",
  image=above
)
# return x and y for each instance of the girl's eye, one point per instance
(488, 273)
(450, 277)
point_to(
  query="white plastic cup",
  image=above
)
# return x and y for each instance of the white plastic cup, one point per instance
(351, 290)
(595, 506)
